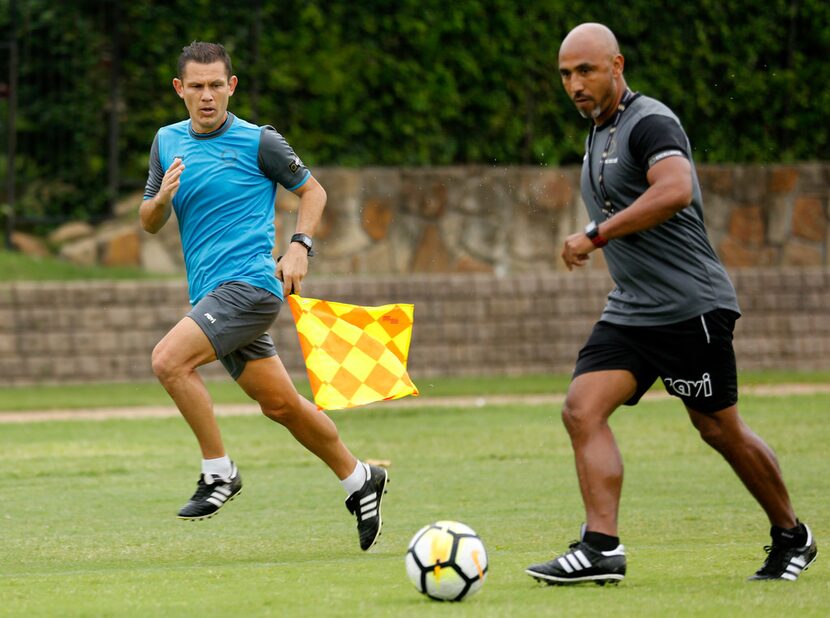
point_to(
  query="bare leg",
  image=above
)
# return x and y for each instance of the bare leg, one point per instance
(752, 460)
(266, 381)
(175, 360)
(592, 398)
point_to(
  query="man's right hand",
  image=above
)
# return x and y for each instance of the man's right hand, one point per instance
(155, 212)
(170, 183)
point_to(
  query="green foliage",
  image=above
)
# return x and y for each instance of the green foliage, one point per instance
(412, 82)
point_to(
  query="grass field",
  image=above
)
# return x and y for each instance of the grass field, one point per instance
(16, 266)
(89, 527)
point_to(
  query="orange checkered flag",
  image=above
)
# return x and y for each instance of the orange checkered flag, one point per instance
(354, 355)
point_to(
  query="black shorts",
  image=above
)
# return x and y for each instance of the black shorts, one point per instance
(694, 358)
(236, 317)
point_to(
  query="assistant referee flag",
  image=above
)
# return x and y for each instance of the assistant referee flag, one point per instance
(354, 355)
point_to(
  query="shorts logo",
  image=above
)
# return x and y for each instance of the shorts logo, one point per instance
(211, 318)
(690, 388)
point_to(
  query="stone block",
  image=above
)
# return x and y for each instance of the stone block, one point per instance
(376, 215)
(800, 253)
(782, 179)
(431, 255)
(736, 255)
(746, 226)
(715, 179)
(809, 219)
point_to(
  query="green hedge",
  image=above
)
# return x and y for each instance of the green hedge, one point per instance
(409, 82)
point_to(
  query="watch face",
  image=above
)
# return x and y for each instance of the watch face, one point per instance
(591, 229)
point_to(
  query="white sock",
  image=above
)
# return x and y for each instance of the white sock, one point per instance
(221, 466)
(355, 480)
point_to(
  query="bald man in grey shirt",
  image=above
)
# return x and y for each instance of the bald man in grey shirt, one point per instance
(670, 315)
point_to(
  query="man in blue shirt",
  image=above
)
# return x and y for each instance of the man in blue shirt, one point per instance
(220, 174)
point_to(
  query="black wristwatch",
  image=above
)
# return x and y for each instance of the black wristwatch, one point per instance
(592, 232)
(305, 241)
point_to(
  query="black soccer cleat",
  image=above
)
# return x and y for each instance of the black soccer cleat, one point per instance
(365, 505)
(582, 563)
(785, 562)
(212, 493)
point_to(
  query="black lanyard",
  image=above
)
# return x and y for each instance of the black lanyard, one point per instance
(606, 205)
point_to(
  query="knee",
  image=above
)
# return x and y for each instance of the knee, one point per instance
(163, 366)
(576, 418)
(713, 434)
(279, 409)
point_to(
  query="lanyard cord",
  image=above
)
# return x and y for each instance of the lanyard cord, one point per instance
(605, 204)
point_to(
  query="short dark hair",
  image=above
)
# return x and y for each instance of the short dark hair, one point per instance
(204, 53)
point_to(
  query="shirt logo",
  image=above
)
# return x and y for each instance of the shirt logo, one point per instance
(229, 157)
(295, 165)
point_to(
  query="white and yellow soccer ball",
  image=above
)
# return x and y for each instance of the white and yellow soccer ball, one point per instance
(446, 561)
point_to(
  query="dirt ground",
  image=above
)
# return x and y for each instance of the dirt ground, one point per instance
(138, 412)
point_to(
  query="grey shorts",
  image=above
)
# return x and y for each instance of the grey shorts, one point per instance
(236, 317)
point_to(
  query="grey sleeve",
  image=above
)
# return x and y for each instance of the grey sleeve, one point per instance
(278, 162)
(156, 172)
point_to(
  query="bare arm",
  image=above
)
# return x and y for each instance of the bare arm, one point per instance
(155, 212)
(293, 266)
(669, 192)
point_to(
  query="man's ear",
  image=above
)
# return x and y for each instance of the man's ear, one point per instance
(232, 85)
(618, 65)
(178, 87)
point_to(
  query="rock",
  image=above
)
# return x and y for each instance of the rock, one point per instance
(128, 205)
(29, 245)
(155, 258)
(82, 252)
(121, 247)
(74, 230)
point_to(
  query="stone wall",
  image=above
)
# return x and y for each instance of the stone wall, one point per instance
(465, 324)
(495, 220)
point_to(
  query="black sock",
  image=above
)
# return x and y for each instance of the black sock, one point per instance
(600, 541)
(789, 537)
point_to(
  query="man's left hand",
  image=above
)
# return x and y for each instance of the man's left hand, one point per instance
(292, 268)
(576, 249)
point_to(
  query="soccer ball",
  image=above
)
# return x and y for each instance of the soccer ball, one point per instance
(446, 561)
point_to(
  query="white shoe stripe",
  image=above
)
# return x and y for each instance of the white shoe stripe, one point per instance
(219, 496)
(794, 569)
(223, 489)
(367, 498)
(369, 506)
(798, 561)
(789, 576)
(215, 502)
(574, 562)
(365, 516)
(564, 564)
(585, 562)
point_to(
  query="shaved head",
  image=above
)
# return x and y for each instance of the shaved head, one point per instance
(591, 68)
(596, 37)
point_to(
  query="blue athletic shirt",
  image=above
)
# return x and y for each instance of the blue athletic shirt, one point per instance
(225, 202)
